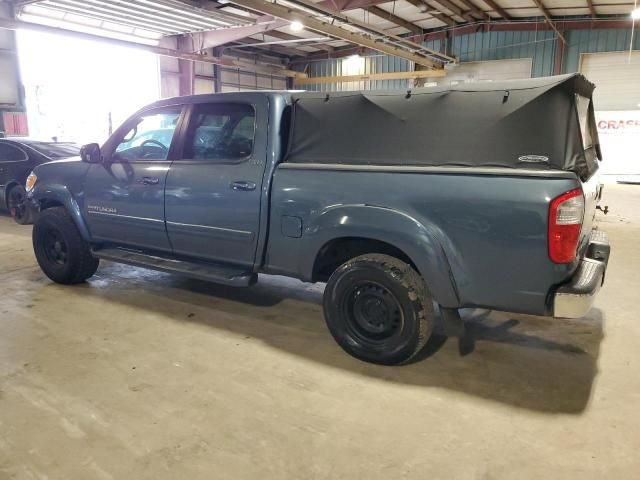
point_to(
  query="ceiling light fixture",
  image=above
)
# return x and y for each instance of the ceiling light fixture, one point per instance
(296, 26)
(635, 14)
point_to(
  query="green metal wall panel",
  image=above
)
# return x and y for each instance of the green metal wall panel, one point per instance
(596, 41)
(541, 46)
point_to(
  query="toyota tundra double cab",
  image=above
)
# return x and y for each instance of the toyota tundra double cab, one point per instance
(474, 195)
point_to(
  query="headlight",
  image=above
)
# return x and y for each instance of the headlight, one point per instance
(31, 181)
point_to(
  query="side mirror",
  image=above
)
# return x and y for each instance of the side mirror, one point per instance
(90, 153)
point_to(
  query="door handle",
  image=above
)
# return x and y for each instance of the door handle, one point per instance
(149, 181)
(243, 185)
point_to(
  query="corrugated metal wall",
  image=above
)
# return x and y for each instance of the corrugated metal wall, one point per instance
(540, 46)
(344, 66)
(593, 41)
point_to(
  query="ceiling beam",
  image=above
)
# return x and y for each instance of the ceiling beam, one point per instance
(592, 9)
(288, 36)
(550, 22)
(165, 52)
(213, 38)
(379, 12)
(370, 76)
(258, 44)
(370, 29)
(498, 9)
(456, 10)
(423, 6)
(341, 5)
(475, 10)
(328, 28)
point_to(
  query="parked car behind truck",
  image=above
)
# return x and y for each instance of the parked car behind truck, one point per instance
(18, 157)
(477, 195)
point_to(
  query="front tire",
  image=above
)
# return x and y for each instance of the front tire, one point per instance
(17, 204)
(378, 310)
(63, 255)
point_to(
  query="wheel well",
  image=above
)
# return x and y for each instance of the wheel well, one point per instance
(338, 251)
(7, 190)
(46, 203)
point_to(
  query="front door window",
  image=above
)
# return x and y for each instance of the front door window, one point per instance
(149, 137)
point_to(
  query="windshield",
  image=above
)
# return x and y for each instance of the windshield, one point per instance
(56, 150)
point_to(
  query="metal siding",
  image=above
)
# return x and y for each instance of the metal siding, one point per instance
(596, 41)
(371, 64)
(541, 46)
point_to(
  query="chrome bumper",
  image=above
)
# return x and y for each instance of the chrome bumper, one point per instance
(574, 299)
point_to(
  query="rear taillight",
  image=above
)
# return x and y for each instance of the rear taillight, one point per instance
(565, 222)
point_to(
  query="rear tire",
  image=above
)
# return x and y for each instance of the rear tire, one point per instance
(63, 255)
(17, 205)
(378, 310)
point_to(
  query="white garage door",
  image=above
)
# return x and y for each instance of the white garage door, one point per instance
(487, 71)
(617, 103)
(617, 79)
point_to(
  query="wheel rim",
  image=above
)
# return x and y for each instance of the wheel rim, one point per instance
(373, 314)
(55, 248)
(16, 204)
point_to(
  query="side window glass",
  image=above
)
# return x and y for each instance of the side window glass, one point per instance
(582, 104)
(221, 132)
(149, 137)
(9, 153)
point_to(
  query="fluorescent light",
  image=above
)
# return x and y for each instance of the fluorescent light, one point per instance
(296, 26)
(635, 14)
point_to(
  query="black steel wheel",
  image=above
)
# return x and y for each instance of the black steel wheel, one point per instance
(378, 310)
(17, 204)
(63, 255)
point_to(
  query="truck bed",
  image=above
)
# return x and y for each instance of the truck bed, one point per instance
(486, 226)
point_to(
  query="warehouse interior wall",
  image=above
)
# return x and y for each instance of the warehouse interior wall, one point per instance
(543, 47)
(13, 120)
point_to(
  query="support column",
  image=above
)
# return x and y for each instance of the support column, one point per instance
(558, 59)
(186, 68)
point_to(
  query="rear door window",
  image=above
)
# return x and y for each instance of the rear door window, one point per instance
(9, 153)
(220, 131)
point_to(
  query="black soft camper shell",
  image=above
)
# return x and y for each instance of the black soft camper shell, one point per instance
(541, 123)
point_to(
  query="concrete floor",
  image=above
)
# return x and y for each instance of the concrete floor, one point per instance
(142, 375)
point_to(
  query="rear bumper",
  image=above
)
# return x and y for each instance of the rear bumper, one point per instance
(574, 299)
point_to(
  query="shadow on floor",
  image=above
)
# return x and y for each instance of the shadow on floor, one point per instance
(530, 362)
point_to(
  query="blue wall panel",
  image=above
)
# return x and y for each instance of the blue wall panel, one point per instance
(541, 46)
(593, 41)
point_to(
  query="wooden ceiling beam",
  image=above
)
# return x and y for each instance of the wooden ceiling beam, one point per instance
(456, 10)
(424, 7)
(475, 10)
(379, 12)
(549, 20)
(498, 9)
(371, 76)
(328, 28)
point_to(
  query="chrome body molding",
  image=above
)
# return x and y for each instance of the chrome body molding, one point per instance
(517, 172)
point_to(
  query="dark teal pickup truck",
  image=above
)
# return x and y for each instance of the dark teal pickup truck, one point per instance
(477, 195)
